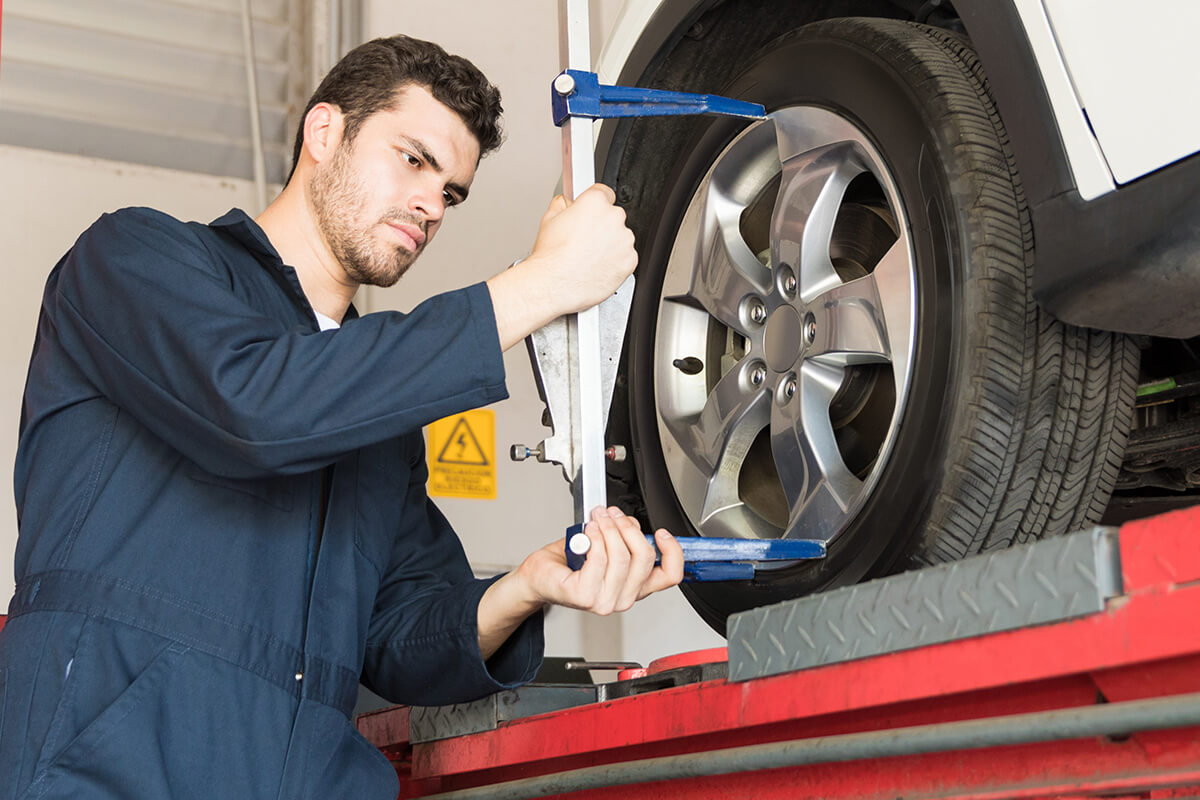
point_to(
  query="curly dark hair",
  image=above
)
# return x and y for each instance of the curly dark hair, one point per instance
(367, 78)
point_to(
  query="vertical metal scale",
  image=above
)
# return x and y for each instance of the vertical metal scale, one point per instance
(579, 172)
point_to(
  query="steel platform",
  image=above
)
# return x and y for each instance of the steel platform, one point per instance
(1073, 669)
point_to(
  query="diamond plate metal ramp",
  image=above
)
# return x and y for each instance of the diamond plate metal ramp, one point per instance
(1048, 581)
(430, 723)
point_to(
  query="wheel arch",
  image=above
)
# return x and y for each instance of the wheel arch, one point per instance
(658, 56)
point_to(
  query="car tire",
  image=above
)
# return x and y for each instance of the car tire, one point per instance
(1005, 425)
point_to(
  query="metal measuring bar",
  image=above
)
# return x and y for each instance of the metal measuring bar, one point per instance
(574, 357)
(707, 559)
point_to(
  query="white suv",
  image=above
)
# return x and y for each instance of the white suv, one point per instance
(906, 313)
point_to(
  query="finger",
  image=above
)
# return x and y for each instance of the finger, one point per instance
(557, 206)
(670, 572)
(618, 562)
(641, 561)
(600, 192)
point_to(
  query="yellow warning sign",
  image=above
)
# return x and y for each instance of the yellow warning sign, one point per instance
(462, 455)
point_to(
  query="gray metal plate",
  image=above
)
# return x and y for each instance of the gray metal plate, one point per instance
(430, 723)
(681, 676)
(1061, 578)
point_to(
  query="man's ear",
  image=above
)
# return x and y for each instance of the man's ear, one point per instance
(323, 129)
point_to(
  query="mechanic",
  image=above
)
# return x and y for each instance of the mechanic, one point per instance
(220, 477)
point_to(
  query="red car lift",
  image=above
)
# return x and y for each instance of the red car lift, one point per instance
(888, 700)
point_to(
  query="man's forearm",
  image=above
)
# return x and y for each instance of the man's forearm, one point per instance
(517, 305)
(504, 606)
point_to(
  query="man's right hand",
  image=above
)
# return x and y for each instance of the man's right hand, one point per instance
(583, 253)
(620, 570)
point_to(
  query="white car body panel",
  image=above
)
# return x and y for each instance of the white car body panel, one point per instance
(627, 30)
(1084, 155)
(1134, 72)
(1132, 76)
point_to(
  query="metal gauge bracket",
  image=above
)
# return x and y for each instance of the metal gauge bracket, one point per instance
(575, 93)
(554, 353)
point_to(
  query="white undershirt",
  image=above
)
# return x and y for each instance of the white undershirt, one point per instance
(326, 323)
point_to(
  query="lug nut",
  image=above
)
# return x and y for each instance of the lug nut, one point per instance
(789, 388)
(810, 329)
(789, 284)
(758, 374)
(757, 312)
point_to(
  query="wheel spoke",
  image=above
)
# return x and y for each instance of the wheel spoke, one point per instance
(726, 271)
(717, 440)
(819, 488)
(806, 209)
(735, 520)
(729, 421)
(849, 323)
(896, 290)
(800, 134)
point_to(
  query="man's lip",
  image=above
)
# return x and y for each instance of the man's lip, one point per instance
(411, 231)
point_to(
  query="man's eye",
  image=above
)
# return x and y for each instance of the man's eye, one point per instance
(411, 159)
(449, 199)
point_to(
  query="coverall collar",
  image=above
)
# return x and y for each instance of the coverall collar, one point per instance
(241, 226)
(247, 231)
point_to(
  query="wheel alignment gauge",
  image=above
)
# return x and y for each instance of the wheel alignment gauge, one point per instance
(583, 352)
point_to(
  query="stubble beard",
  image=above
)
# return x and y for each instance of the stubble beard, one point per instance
(339, 200)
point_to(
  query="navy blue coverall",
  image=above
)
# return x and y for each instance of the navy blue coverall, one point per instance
(224, 525)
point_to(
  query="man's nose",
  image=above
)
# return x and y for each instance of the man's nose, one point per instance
(429, 203)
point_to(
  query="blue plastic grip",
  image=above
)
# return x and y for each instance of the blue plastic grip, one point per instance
(708, 559)
(574, 560)
(593, 100)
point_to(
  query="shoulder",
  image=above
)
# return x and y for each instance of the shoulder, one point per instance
(136, 237)
(146, 225)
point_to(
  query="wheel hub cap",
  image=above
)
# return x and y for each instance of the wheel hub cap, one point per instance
(784, 339)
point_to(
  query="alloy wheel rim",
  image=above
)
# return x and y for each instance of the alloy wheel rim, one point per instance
(791, 283)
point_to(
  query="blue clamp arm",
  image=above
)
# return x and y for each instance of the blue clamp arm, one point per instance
(576, 93)
(717, 559)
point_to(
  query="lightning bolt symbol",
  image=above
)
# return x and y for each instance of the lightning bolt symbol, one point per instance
(462, 444)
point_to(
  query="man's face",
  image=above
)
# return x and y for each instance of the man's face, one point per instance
(380, 198)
